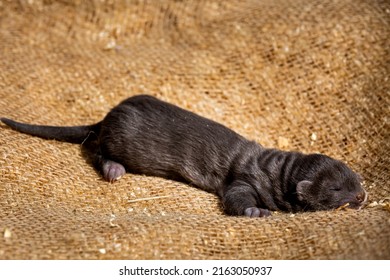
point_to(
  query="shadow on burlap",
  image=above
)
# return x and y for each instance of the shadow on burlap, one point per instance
(299, 75)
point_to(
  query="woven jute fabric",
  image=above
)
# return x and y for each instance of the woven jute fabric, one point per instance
(306, 75)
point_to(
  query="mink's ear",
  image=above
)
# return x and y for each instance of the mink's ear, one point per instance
(302, 188)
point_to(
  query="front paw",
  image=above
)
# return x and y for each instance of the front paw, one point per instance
(254, 212)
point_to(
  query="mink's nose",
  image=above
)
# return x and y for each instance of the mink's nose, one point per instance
(360, 197)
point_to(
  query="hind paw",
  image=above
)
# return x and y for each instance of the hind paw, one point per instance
(112, 170)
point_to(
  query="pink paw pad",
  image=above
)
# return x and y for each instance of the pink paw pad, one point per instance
(113, 171)
(253, 212)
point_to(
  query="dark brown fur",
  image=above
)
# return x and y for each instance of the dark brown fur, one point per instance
(148, 136)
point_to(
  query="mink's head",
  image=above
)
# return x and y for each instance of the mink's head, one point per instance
(328, 184)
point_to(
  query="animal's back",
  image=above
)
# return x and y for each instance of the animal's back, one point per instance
(153, 137)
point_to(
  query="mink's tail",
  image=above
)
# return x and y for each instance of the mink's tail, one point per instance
(72, 134)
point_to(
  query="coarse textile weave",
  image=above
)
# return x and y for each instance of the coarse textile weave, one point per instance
(307, 75)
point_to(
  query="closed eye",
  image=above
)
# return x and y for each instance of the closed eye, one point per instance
(336, 189)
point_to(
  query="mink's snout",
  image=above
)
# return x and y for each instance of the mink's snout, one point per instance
(360, 197)
(359, 200)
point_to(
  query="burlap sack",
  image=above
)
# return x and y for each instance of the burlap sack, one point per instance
(299, 75)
